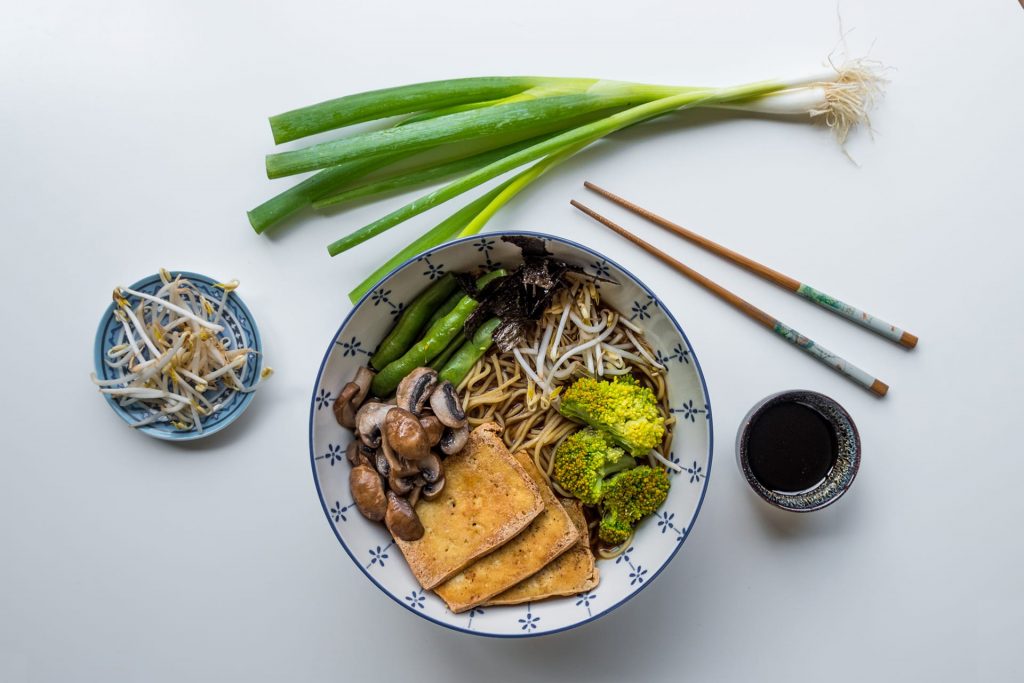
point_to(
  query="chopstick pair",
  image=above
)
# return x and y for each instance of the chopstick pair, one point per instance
(818, 297)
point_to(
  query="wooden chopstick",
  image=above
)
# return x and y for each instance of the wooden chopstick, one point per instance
(826, 301)
(819, 352)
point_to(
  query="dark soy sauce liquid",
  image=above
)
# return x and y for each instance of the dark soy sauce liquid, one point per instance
(791, 447)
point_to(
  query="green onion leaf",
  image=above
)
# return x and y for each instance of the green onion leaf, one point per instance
(467, 221)
(423, 175)
(301, 195)
(378, 104)
(442, 232)
(467, 125)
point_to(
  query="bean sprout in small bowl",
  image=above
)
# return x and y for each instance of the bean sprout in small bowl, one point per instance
(178, 355)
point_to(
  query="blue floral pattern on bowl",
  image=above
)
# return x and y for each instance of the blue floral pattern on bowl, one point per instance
(657, 539)
(240, 331)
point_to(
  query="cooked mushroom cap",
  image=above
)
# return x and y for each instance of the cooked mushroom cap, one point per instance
(380, 461)
(368, 492)
(432, 490)
(399, 484)
(401, 519)
(433, 428)
(446, 406)
(352, 452)
(357, 453)
(454, 440)
(430, 468)
(414, 495)
(370, 421)
(414, 389)
(351, 398)
(405, 435)
(344, 408)
(396, 463)
(363, 378)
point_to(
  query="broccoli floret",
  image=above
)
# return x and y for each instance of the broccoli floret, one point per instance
(583, 460)
(625, 410)
(613, 531)
(629, 497)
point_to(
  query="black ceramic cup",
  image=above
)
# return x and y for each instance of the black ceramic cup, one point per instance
(842, 473)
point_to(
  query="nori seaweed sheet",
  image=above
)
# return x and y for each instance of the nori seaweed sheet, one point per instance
(521, 297)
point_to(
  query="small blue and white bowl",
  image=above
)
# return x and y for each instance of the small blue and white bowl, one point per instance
(240, 331)
(658, 538)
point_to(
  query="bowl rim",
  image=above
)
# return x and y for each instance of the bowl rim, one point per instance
(99, 343)
(661, 305)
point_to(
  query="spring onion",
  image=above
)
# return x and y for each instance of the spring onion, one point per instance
(500, 116)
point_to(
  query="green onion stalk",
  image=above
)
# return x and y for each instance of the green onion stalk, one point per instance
(512, 122)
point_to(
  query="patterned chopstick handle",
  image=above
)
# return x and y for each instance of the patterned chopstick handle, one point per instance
(832, 360)
(876, 325)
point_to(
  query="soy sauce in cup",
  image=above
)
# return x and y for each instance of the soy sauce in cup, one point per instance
(791, 447)
(798, 450)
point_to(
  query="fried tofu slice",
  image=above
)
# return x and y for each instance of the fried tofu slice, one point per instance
(488, 498)
(549, 535)
(572, 572)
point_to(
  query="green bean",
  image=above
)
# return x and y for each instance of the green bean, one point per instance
(446, 307)
(412, 321)
(459, 365)
(436, 339)
(449, 351)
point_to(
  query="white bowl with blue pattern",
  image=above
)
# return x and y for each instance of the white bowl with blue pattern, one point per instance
(240, 331)
(658, 538)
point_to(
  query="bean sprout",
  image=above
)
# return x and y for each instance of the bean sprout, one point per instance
(170, 358)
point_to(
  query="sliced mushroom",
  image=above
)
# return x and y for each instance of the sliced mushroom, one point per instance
(381, 462)
(352, 452)
(396, 463)
(399, 484)
(344, 406)
(446, 406)
(432, 490)
(370, 421)
(433, 429)
(366, 456)
(368, 492)
(454, 440)
(414, 389)
(351, 398)
(363, 378)
(414, 495)
(401, 519)
(405, 435)
(430, 468)
(357, 453)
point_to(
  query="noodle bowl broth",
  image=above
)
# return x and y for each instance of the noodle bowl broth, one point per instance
(602, 328)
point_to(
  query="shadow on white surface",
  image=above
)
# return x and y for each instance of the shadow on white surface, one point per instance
(604, 650)
(221, 440)
(784, 526)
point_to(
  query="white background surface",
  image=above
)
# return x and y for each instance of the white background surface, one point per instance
(133, 137)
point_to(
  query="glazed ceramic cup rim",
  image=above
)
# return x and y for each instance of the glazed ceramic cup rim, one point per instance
(842, 474)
